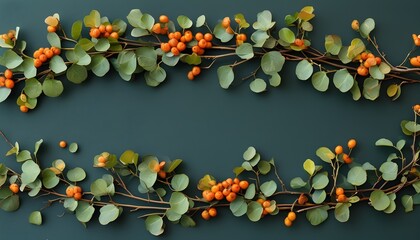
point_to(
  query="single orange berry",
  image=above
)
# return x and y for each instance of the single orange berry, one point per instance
(212, 212)
(77, 189)
(215, 188)
(226, 22)
(23, 108)
(95, 33)
(173, 42)
(49, 53)
(205, 215)
(302, 199)
(244, 184)
(218, 195)
(37, 63)
(190, 76)
(102, 28)
(341, 198)
(70, 191)
(62, 144)
(226, 191)
(231, 197)
(14, 188)
(114, 35)
(235, 188)
(338, 150)
(43, 58)
(364, 56)
(51, 29)
(9, 83)
(109, 28)
(266, 204)
(162, 174)
(101, 164)
(288, 222)
(347, 159)
(181, 46)
(56, 50)
(236, 180)
(351, 143)
(291, 216)
(362, 70)
(196, 70)
(177, 35)
(175, 51)
(199, 36)
(163, 19)
(156, 28)
(378, 60)
(165, 47)
(299, 42)
(355, 25)
(210, 196)
(208, 37)
(8, 73)
(339, 191)
(77, 196)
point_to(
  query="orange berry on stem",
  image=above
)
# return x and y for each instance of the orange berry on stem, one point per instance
(49, 53)
(43, 58)
(244, 184)
(14, 188)
(362, 71)
(114, 35)
(218, 195)
(235, 188)
(77, 196)
(231, 197)
(339, 191)
(226, 22)
(37, 63)
(266, 204)
(341, 198)
(109, 28)
(205, 215)
(202, 43)
(8, 73)
(9, 83)
(212, 212)
(177, 35)
(163, 19)
(351, 143)
(208, 37)
(338, 150)
(196, 70)
(287, 222)
(190, 75)
(51, 29)
(199, 36)
(70, 191)
(181, 46)
(291, 216)
(23, 108)
(102, 28)
(302, 199)
(175, 51)
(173, 42)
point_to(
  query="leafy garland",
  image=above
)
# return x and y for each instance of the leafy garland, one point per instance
(156, 44)
(336, 184)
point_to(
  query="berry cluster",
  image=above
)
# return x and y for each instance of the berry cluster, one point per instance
(415, 61)
(9, 37)
(290, 218)
(203, 42)
(367, 60)
(195, 71)
(103, 31)
(42, 55)
(268, 206)
(346, 156)
(162, 26)
(74, 192)
(209, 213)
(6, 80)
(102, 159)
(340, 196)
(240, 38)
(52, 23)
(177, 42)
(227, 189)
(159, 168)
(226, 25)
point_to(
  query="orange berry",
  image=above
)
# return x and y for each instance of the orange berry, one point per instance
(199, 36)
(196, 49)
(205, 215)
(235, 188)
(371, 61)
(2, 80)
(49, 53)
(8, 73)
(218, 195)
(215, 189)
(62, 144)
(37, 63)
(355, 25)
(36, 54)
(341, 198)
(414, 62)
(109, 28)
(291, 216)
(173, 42)
(9, 83)
(156, 168)
(241, 37)
(196, 70)
(378, 60)
(339, 191)
(70, 191)
(188, 36)
(177, 35)
(162, 174)
(51, 29)
(77, 189)
(244, 184)
(351, 143)
(370, 55)
(231, 197)
(181, 46)
(225, 183)
(156, 28)
(347, 159)
(163, 19)
(212, 212)
(175, 51)
(302, 199)
(171, 35)
(362, 70)
(260, 201)
(209, 45)
(226, 192)
(226, 22)
(417, 42)
(95, 33)
(23, 108)
(229, 181)
(210, 196)
(100, 164)
(236, 180)
(14, 188)
(102, 28)
(164, 30)
(190, 75)
(182, 39)
(114, 35)
(77, 196)
(230, 30)
(56, 50)
(208, 37)
(299, 42)
(364, 56)
(43, 58)
(338, 150)
(288, 222)
(165, 47)
(266, 204)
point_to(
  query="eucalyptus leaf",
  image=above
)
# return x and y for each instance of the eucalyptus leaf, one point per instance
(304, 70)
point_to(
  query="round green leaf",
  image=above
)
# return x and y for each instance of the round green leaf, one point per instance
(200, 21)
(384, 142)
(129, 157)
(297, 183)
(100, 65)
(249, 153)
(99, 188)
(258, 85)
(76, 29)
(245, 51)
(184, 22)
(376, 73)
(264, 21)
(357, 176)
(102, 45)
(221, 34)
(30, 171)
(254, 211)
(264, 167)
(70, 204)
(57, 64)
(355, 91)
(33, 88)
(407, 202)
(4, 93)
(93, 19)
(371, 88)
(389, 171)
(179, 203)
(366, 27)
(226, 76)
(54, 39)
(49, 179)
(320, 180)
(384, 68)
(250, 191)
(35, 218)
(259, 38)
(73, 147)
(52, 87)
(317, 216)
(172, 216)
(76, 174)
(287, 35)
(10, 203)
(29, 70)
(275, 80)
(154, 224)
(343, 80)
(84, 212)
(379, 200)
(272, 62)
(238, 207)
(333, 44)
(147, 57)
(309, 166)
(76, 74)
(157, 75)
(148, 177)
(35, 187)
(304, 70)
(180, 182)
(11, 59)
(134, 17)
(325, 154)
(320, 81)
(319, 196)
(268, 188)
(108, 213)
(356, 47)
(392, 90)
(342, 212)
(187, 221)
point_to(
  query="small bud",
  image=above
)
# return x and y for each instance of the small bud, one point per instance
(355, 25)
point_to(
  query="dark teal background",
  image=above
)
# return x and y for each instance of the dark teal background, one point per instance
(207, 126)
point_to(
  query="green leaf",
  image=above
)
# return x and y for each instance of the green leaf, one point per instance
(250, 191)
(180, 182)
(297, 183)
(357, 176)
(259, 38)
(49, 179)
(240, 19)
(392, 90)
(389, 171)
(268, 188)
(368, 167)
(342, 55)
(319, 196)
(172, 165)
(179, 203)
(52, 87)
(102, 44)
(221, 34)
(287, 35)
(35, 187)
(29, 70)
(238, 207)
(379, 200)
(309, 167)
(84, 212)
(73, 147)
(304, 70)
(366, 27)
(264, 21)
(201, 20)
(384, 142)
(264, 167)
(318, 215)
(76, 74)
(356, 47)
(70, 204)
(371, 88)
(325, 154)
(272, 62)
(172, 61)
(35, 218)
(157, 75)
(93, 19)
(139, 32)
(134, 17)
(376, 73)
(258, 85)
(412, 126)
(320, 180)
(249, 153)
(11, 202)
(76, 174)
(320, 81)
(30, 171)
(99, 188)
(4, 93)
(226, 76)
(57, 64)
(129, 157)
(100, 65)
(342, 212)
(76, 29)
(407, 202)
(355, 91)
(54, 39)
(127, 62)
(33, 88)
(343, 80)
(245, 51)
(147, 57)
(108, 213)
(275, 80)
(11, 59)
(191, 59)
(187, 221)
(154, 224)
(384, 68)
(333, 44)
(184, 22)
(84, 44)
(254, 211)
